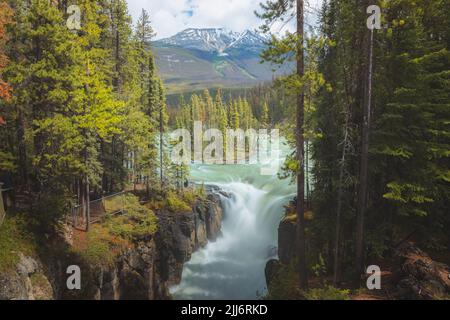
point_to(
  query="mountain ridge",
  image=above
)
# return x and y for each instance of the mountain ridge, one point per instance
(213, 39)
(212, 57)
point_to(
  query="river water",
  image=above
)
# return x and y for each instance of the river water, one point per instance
(232, 267)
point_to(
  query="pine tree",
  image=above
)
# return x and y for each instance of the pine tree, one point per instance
(210, 112)
(162, 121)
(120, 35)
(223, 126)
(265, 116)
(96, 113)
(148, 99)
(277, 53)
(234, 114)
(411, 58)
(410, 143)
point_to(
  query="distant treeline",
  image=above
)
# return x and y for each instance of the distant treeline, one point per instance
(259, 97)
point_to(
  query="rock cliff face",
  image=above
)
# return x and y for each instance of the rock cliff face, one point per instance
(287, 234)
(27, 282)
(286, 248)
(145, 271)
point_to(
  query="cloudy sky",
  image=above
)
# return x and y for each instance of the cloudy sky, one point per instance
(171, 16)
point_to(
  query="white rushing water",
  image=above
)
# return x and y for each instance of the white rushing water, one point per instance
(232, 267)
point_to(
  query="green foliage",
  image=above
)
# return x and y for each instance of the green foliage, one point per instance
(7, 161)
(407, 177)
(320, 268)
(137, 221)
(406, 193)
(411, 138)
(284, 285)
(176, 203)
(191, 195)
(327, 293)
(84, 103)
(214, 113)
(238, 113)
(100, 248)
(49, 210)
(14, 238)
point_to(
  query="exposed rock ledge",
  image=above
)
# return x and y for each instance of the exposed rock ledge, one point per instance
(26, 282)
(145, 271)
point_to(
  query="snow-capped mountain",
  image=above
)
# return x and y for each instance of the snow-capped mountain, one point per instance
(249, 40)
(211, 57)
(217, 40)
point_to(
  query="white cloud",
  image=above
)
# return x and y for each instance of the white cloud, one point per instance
(172, 16)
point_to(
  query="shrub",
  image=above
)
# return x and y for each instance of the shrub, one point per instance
(103, 242)
(284, 285)
(176, 203)
(190, 196)
(327, 293)
(319, 269)
(99, 246)
(137, 221)
(47, 211)
(14, 238)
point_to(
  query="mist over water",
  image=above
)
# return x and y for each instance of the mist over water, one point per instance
(232, 267)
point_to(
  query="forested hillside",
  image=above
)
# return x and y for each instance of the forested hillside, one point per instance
(376, 105)
(81, 109)
(408, 175)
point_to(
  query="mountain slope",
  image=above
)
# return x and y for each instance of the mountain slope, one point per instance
(199, 58)
(202, 39)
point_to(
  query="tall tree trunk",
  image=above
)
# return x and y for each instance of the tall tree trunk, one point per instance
(362, 196)
(116, 46)
(307, 192)
(161, 130)
(337, 258)
(87, 204)
(86, 187)
(303, 279)
(151, 91)
(22, 168)
(113, 165)
(103, 153)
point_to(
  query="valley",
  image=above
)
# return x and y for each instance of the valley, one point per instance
(213, 57)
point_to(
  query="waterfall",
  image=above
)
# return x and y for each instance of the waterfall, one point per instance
(232, 267)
